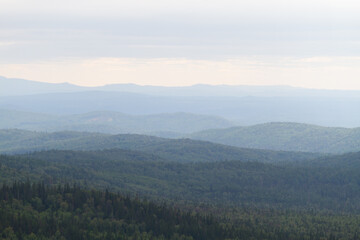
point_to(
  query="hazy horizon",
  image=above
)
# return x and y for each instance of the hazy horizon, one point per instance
(177, 86)
(309, 44)
(192, 119)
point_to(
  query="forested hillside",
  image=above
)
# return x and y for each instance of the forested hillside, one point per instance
(232, 183)
(286, 137)
(16, 140)
(37, 211)
(276, 181)
(34, 211)
(182, 150)
(310, 199)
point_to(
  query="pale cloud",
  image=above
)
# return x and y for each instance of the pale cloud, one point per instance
(335, 73)
(186, 8)
(316, 60)
(177, 29)
(169, 42)
(6, 43)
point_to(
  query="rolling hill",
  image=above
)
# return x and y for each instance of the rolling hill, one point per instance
(227, 183)
(174, 124)
(286, 136)
(246, 110)
(179, 150)
(247, 105)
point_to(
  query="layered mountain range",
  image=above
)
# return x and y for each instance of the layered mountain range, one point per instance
(244, 105)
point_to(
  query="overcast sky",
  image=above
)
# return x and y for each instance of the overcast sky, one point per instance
(314, 44)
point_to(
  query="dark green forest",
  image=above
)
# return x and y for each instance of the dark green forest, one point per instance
(35, 211)
(39, 211)
(177, 189)
(229, 183)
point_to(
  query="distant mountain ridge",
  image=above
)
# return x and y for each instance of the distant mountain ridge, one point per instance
(289, 136)
(17, 87)
(246, 105)
(244, 110)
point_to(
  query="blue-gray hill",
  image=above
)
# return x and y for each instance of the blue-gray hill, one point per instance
(247, 105)
(165, 124)
(179, 150)
(286, 136)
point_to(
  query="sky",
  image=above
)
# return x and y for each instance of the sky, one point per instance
(312, 44)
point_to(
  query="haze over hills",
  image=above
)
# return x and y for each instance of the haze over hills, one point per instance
(286, 136)
(17, 87)
(173, 124)
(271, 136)
(192, 171)
(243, 110)
(245, 105)
(180, 150)
(179, 120)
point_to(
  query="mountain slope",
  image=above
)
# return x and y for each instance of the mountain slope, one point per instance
(348, 161)
(65, 212)
(15, 140)
(286, 136)
(228, 183)
(181, 150)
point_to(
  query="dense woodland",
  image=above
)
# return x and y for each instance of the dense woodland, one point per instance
(202, 190)
(235, 183)
(35, 211)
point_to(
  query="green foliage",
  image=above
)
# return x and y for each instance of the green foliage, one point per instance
(226, 183)
(38, 211)
(34, 211)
